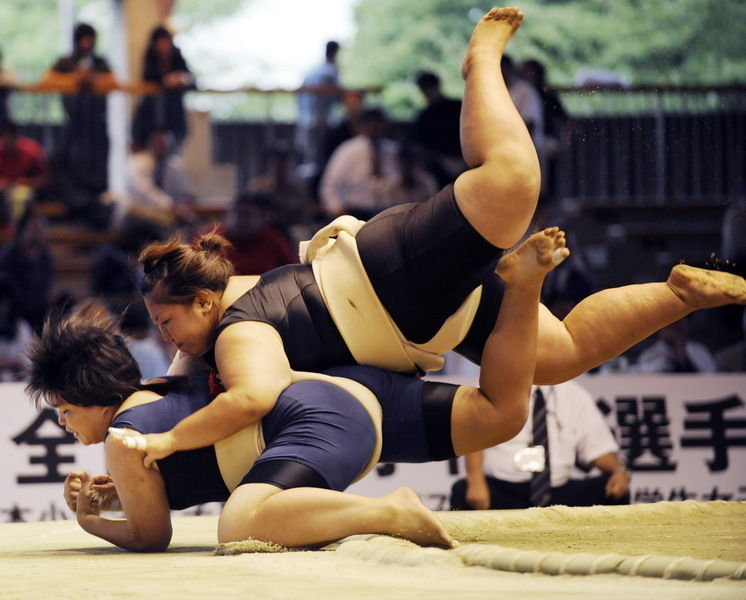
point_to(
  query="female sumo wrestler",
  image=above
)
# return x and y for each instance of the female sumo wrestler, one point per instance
(402, 289)
(282, 479)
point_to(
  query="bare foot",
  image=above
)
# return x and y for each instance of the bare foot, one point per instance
(492, 34)
(415, 522)
(534, 258)
(703, 288)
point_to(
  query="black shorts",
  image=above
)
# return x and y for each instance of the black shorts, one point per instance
(423, 260)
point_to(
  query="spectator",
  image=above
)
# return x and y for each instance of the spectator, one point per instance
(142, 341)
(80, 161)
(436, 130)
(734, 241)
(732, 359)
(527, 100)
(165, 67)
(26, 261)
(674, 352)
(280, 182)
(7, 84)
(557, 129)
(569, 283)
(258, 246)
(23, 166)
(572, 429)
(353, 103)
(361, 170)
(15, 334)
(315, 107)
(414, 183)
(113, 277)
(157, 198)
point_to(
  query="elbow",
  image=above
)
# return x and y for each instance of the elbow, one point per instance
(156, 540)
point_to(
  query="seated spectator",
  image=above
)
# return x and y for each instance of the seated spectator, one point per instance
(674, 352)
(414, 183)
(26, 261)
(732, 359)
(112, 274)
(361, 170)
(7, 85)
(257, 246)
(23, 166)
(535, 467)
(15, 334)
(436, 130)
(143, 342)
(279, 182)
(157, 198)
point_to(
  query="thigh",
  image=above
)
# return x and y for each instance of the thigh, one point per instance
(423, 260)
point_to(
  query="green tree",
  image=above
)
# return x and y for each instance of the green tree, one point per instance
(692, 42)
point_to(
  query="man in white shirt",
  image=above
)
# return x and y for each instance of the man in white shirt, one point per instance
(500, 476)
(361, 171)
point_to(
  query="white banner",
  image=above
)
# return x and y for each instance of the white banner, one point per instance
(683, 437)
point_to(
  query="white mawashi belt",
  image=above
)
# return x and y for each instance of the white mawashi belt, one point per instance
(368, 330)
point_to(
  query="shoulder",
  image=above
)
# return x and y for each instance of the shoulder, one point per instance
(138, 398)
(238, 286)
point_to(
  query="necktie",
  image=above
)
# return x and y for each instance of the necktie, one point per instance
(540, 486)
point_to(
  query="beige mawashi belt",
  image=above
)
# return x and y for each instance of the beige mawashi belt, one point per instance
(368, 330)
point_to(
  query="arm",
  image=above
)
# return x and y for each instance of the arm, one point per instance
(142, 492)
(618, 484)
(477, 490)
(254, 371)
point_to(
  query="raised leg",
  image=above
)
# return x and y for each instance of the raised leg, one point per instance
(312, 516)
(498, 194)
(609, 322)
(498, 410)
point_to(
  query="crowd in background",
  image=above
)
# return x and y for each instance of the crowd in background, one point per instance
(345, 159)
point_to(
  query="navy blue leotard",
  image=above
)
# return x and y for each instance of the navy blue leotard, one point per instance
(316, 435)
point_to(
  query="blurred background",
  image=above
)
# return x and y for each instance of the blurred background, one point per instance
(125, 121)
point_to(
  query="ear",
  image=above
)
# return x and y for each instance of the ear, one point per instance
(203, 301)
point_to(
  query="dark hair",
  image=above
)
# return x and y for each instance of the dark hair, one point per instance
(175, 272)
(82, 30)
(539, 69)
(82, 358)
(427, 80)
(152, 65)
(332, 48)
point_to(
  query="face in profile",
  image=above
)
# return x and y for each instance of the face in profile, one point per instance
(89, 424)
(189, 326)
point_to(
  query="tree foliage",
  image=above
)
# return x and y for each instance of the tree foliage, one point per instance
(647, 41)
